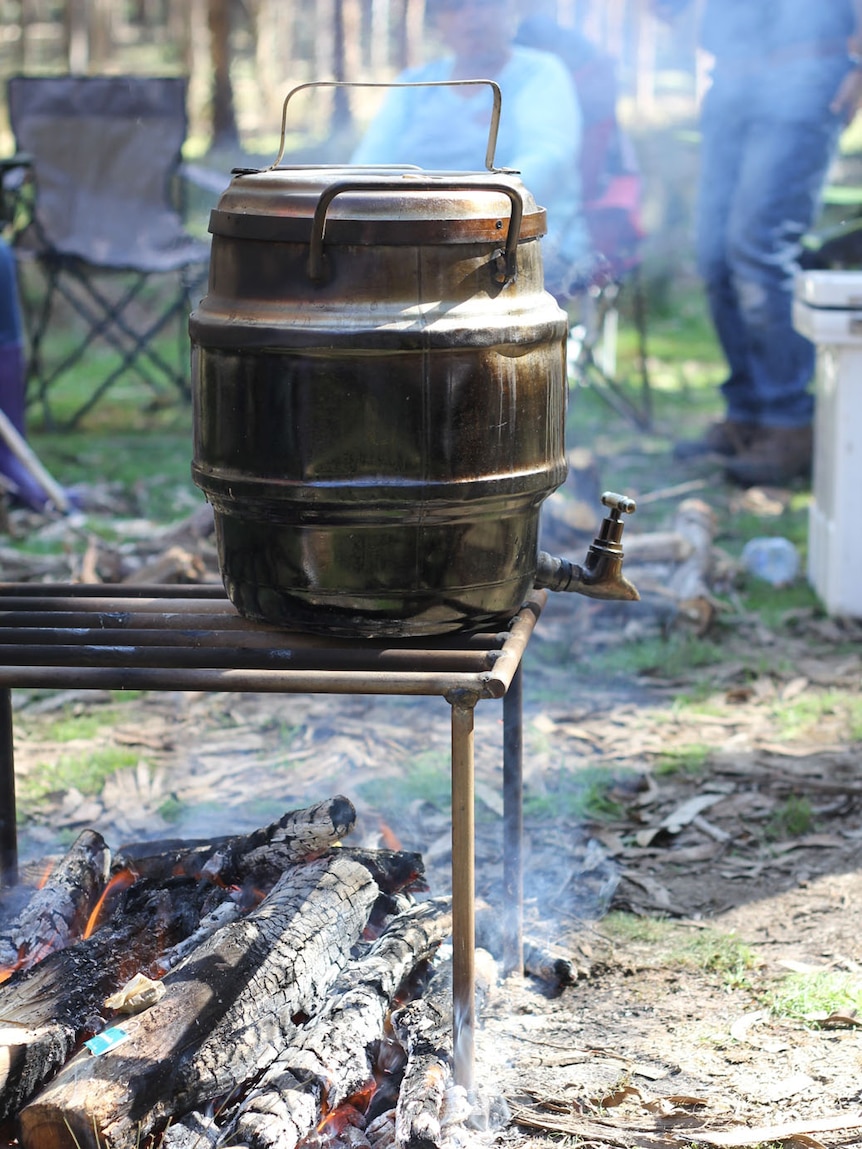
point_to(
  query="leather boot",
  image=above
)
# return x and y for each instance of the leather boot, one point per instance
(727, 438)
(776, 457)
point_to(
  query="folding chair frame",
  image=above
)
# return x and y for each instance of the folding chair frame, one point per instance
(105, 321)
(100, 290)
(585, 365)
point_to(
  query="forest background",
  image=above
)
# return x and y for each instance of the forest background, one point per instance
(243, 56)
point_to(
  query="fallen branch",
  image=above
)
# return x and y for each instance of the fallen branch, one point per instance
(762, 1134)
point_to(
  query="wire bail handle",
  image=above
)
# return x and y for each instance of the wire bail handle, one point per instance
(493, 127)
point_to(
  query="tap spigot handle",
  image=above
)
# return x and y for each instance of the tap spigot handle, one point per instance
(618, 504)
(611, 530)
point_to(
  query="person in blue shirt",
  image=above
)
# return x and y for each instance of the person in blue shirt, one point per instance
(446, 129)
(785, 80)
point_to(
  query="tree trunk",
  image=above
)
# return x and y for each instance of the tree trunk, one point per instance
(225, 133)
(227, 1010)
(77, 36)
(102, 14)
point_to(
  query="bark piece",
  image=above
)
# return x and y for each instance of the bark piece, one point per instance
(332, 1057)
(228, 1009)
(56, 914)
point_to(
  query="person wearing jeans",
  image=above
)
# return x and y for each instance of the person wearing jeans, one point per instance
(786, 78)
(21, 485)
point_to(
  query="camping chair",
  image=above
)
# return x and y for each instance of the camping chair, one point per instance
(105, 220)
(613, 221)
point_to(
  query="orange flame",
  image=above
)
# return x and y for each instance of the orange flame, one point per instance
(388, 837)
(43, 881)
(120, 881)
(6, 971)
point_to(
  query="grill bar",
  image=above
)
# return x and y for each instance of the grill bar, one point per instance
(191, 638)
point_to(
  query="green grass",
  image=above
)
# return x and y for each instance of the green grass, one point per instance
(805, 713)
(85, 772)
(676, 947)
(668, 657)
(172, 809)
(811, 997)
(689, 760)
(586, 793)
(72, 725)
(793, 818)
(423, 778)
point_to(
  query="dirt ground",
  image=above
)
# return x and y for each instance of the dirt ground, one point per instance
(692, 843)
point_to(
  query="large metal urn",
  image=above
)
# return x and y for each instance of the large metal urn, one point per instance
(379, 392)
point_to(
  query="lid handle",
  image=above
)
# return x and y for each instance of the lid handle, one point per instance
(492, 84)
(505, 258)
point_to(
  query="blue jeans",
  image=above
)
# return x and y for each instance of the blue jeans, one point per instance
(10, 313)
(767, 143)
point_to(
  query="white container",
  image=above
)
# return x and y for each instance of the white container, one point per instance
(827, 308)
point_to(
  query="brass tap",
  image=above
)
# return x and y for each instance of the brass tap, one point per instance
(601, 575)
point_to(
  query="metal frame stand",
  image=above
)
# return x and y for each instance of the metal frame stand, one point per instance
(119, 637)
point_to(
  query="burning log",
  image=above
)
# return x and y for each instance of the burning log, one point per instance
(43, 1016)
(45, 1011)
(298, 835)
(332, 1058)
(227, 1010)
(392, 870)
(424, 1028)
(427, 1100)
(57, 913)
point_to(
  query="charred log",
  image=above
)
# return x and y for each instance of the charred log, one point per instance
(332, 1058)
(47, 1010)
(227, 1010)
(392, 870)
(427, 1100)
(297, 835)
(57, 913)
(424, 1028)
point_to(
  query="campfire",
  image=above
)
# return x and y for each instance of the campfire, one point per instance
(276, 988)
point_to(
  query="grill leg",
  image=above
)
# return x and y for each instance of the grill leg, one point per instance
(463, 891)
(513, 827)
(8, 828)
